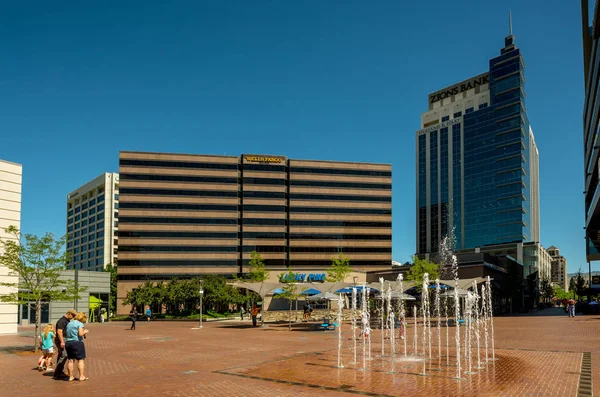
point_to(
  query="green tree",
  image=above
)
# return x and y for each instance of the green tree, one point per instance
(289, 291)
(560, 293)
(572, 286)
(418, 270)
(112, 269)
(339, 269)
(580, 287)
(218, 294)
(257, 270)
(546, 290)
(38, 262)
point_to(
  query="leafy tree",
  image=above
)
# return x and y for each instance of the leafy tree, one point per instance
(572, 286)
(418, 270)
(546, 290)
(257, 270)
(560, 293)
(289, 291)
(580, 287)
(218, 294)
(38, 262)
(339, 269)
(112, 269)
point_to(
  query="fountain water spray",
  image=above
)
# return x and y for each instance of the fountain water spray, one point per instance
(457, 334)
(354, 323)
(477, 323)
(416, 335)
(381, 315)
(484, 314)
(468, 336)
(339, 321)
(402, 314)
(366, 330)
(491, 315)
(437, 315)
(391, 319)
(447, 330)
(425, 312)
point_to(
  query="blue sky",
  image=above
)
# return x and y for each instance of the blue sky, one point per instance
(339, 80)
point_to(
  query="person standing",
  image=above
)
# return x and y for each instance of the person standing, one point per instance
(148, 314)
(242, 312)
(571, 308)
(133, 316)
(61, 331)
(254, 314)
(76, 332)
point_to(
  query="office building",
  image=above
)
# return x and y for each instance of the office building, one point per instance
(92, 223)
(11, 175)
(184, 215)
(559, 268)
(477, 161)
(591, 165)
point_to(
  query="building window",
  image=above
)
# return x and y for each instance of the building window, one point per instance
(77, 210)
(100, 217)
(84, 239)
(84, 214)
(92, 202)
(70, 213)
(469, 110)
(100, 198)
(116, 242)
(445, 118)
(483, 106)
(70, 229)
(99, 235)
(92, 228)
(116, 206)
(70, 221)
(91, 246)
(99, 252)
(84, 206)
(116, 223)
(77, 234)
(457, 114)
(100, 225)
(92, 211)
(100, 207)
(84, 222)
(116, 196)
(116, 214)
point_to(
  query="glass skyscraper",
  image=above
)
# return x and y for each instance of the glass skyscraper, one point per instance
(477, 161)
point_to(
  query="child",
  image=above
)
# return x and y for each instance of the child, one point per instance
(47, 345)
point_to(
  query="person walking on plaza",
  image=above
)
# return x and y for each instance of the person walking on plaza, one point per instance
(571, 308)
(254, 314)
(242, 311)
(76, 332)
(59, 341)
(47, 345)
(148, 314)
(133, 317)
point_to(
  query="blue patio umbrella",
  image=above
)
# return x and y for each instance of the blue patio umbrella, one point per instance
(348, 290)
(311, 291)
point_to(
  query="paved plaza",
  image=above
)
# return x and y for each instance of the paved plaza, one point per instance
(537, 355)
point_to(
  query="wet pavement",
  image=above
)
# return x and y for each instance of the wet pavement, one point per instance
(537, 355)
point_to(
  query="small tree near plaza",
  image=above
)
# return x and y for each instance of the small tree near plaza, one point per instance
(257, 270)
(289, 291)
(112, 269)
(339, 269)
(418, 270)
(580, 287)
(38, 262)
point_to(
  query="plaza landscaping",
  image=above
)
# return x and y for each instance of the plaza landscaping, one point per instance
(538, 355)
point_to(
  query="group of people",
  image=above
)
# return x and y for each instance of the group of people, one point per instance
(67, 337)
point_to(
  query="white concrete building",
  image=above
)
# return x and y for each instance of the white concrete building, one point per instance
(92, 223)
(10, 215)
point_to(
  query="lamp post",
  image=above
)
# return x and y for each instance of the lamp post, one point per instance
(201, 294)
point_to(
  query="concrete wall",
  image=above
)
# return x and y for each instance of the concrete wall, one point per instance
(10, 215)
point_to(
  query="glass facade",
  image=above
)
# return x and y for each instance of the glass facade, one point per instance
(474, 172)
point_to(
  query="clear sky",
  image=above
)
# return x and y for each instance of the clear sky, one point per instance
(331, 80)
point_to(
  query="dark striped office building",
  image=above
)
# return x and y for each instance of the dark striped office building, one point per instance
(186, 215)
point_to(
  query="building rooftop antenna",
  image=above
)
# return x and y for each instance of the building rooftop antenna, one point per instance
(509, 23)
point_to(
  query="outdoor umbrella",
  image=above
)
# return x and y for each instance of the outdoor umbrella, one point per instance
(326, 296)
(399, 295)
(450, 294)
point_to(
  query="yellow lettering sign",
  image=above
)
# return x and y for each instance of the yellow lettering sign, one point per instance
(257, 159)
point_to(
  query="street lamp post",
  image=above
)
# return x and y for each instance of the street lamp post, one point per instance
(201, 294)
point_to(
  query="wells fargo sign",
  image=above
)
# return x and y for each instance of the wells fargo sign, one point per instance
(261, 159)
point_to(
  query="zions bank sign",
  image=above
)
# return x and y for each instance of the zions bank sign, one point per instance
(302, 277)
(460, 88)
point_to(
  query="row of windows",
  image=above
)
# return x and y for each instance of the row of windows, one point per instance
(270, 222)
(176, 164)
(255, 235)
(294, 196)
(175, 248)
(177, 178)
(270, 248)
(336, 171)
(384, 186)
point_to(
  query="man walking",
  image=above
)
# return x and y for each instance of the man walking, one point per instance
(254, 314)
(61, 330)
(133, 317)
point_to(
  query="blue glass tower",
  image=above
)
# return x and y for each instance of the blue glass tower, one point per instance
(477, 162)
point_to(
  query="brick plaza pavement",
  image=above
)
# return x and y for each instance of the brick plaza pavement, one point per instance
(537, 356)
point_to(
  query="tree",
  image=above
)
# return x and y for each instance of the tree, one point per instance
(38, 262)
(580, 288)
(560, 293)
(546, 290)
(572, 286)
(289, 291)
(112, 269)
(418, 270)
(218, 294)
(257, 270)
(339, 269)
